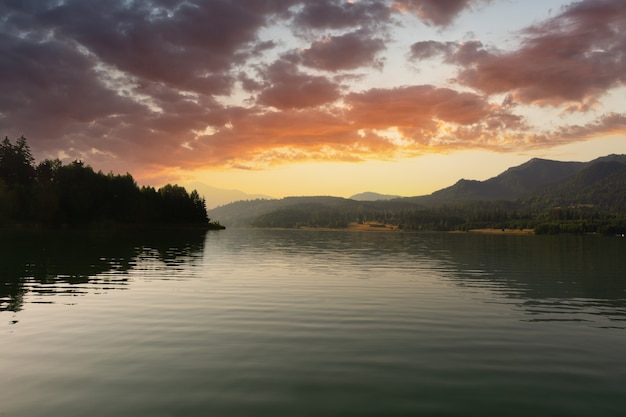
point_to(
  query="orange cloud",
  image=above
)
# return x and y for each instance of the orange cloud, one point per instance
(414, 107)
(363, 128)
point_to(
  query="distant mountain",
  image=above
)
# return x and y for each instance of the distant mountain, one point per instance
(215, 197)
(370, 196)
(242, 213)
(535, 187)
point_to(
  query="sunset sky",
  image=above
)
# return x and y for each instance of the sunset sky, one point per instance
(315, 97)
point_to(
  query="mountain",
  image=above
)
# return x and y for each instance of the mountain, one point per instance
(242, 213)
(215, 197)
(514, 183)
(370, 196)
(602, 183)
(521, 196)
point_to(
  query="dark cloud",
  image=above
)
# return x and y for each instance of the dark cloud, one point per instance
(339, 14)
(429, 49)
(183, 47)
(49, 87)
(291, 89)
(116, 79)
(344, 52)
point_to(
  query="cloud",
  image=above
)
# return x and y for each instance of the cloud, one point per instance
(428, 49)
(258, 139)
(289, 88)
(129, 81)
(344, 52)
(574, 57)
(333, 14)
(377, 123)
(608, 124)
(50, 88)
(435, 12)
(183, 47)
(415, 107)
(161, 85)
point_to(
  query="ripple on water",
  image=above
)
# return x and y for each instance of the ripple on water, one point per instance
(321, 323)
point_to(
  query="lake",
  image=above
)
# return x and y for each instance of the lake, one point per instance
(311, 323)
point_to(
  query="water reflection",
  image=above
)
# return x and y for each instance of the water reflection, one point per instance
(545, 266)
(545, 278)
(66, 262)
(549, 278)
(318, 323)
(529, 267)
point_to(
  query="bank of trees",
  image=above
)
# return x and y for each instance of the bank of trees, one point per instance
(448, 217)
(53, 193)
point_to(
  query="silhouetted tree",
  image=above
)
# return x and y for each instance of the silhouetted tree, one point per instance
(53, 193)
(47, 169)
(16, 162)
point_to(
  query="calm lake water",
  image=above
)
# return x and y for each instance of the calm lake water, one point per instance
(311, 323)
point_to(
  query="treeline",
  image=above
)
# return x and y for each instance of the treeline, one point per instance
(51, 193)
(450, 217)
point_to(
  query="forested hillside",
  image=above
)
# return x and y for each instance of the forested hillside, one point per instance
(547, 196)
(51, 193)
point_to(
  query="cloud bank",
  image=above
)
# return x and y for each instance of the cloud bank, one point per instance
(161, 85)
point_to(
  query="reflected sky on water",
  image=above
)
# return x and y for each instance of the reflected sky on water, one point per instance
(288, 322)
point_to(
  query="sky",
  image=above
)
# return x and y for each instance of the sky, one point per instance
(314, 97)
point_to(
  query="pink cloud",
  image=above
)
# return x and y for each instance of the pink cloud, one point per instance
(574, 57)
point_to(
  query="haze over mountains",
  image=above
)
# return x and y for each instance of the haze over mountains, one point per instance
(538, 184)
(215, 197)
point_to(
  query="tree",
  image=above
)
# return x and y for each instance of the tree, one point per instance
(53, 193)
(47, 170)
(16, 162)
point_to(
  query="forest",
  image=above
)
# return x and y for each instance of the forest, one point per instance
(50, 193)
(461, 216)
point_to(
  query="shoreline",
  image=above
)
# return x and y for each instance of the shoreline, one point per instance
(352, 227)
(493, 231)
(379, 227)
(373, 227)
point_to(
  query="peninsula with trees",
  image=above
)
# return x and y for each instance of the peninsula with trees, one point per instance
(53, 194)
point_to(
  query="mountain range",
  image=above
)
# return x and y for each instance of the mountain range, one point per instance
(537, 176)
(536, 185)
